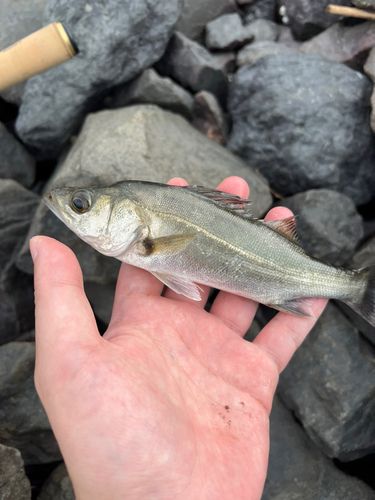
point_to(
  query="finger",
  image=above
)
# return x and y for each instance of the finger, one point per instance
(282, 336)
(65, 325)
(238, 312)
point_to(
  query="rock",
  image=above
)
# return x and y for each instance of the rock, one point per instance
(252, 52)
(15, 161)
(346, 44)
(14, 484)
(263, 30)
(227, 33)
(139, 142)
(369, 69)
(298, 470)
(193, 67)
(209, 118)
(18, 19)
(364, 4)
(308, 18)
(24, 424)
(328, 223)
(58, 486)
(197, 13)
(151, 88)
(116, 41)
(260, 9)
(329, 386)
(299, 133)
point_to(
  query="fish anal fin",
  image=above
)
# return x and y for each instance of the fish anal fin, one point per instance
(298, 307)
(286, 227)
(180, 285)
(164, 245)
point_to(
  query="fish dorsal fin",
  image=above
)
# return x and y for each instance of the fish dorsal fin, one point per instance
(286, 227)
(230, 202)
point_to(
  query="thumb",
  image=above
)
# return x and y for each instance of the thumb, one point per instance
(65, 325)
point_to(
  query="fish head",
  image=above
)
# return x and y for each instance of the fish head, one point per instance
(100, 218)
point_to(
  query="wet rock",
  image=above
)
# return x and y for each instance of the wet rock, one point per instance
(346, 44)
(116, 40)
(252, 52)
(299, 133)
(23, 422)
(329, 386)
(328, 223)
(197, 13)
(260, 9)
(151, 88)
(308, 18)
(18, 19)
(14, 484)
(209, 118)
(298, 470)
(58, 486)
(227, 32)
(193, 66)
(15, 162)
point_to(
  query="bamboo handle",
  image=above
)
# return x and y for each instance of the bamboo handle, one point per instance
(34, 54)
(340, 10)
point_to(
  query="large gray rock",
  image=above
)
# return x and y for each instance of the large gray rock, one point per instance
(15, 162)
(329, 385)
(117, 39)
(328, 223)
(58, 486)
(18, 19)
(289, 123)
(197, 13)
(299, 471)
(23, 422)
(14, 484)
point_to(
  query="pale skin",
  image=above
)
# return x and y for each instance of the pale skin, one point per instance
(172, 403)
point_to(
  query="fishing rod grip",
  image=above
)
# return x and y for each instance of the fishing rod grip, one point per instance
(34, 54)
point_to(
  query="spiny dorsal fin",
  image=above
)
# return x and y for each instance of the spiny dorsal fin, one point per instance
(228, 201)
(286, 227)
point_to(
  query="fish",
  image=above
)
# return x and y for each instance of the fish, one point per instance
(191, 235)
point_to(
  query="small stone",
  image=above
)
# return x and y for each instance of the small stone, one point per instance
(260, 9)
(209, 118)
(329, 386)
(15, 162)
(197, 13)
(14, 484)
(151, 88)
(24, 424)
(300, 133)
(117, 41)
(346, 44)
(193, 66)
(58, 486)
(252, 52)
(328, 224)
(227, 33)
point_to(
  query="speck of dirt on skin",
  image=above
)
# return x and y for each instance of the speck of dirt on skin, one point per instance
(229, 423)
(242, 404)
(227, 407)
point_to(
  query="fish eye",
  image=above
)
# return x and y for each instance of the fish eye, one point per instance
(81, 202)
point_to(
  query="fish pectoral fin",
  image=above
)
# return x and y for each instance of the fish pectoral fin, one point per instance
(286, 227)
(180, 285)
(298, 307)
(165, 244)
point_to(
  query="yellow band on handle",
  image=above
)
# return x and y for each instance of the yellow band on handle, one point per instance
(38, 52)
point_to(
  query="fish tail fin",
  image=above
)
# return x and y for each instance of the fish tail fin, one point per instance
(364, 304)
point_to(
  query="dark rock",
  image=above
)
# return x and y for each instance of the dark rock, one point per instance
(18, 19)
(227, 32)
(300, 133)
(197, 13)
(116, 39)
(193, 66)
(15, 161)
(260, 9)
(346, 44)
(328, 223)
(252, 52)
(298, 470)
(329, 385)
(101, 299)
(58, 486)
(369, 69)
(308, 18)
(14, 484)
(23, 422)
(209, 118)
(151, 88)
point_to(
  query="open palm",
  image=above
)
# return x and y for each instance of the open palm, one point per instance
(172, 403)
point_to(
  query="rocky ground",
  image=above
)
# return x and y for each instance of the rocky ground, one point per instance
(276, 91)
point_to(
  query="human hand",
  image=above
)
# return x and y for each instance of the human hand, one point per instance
(172, 402)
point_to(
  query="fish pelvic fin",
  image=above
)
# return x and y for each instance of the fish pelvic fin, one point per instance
(298, 307)
(364, 304)
(180, 285)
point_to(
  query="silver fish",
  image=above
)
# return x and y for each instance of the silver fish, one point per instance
(190, 235)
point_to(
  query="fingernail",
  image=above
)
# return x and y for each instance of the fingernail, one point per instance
(33, 244)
